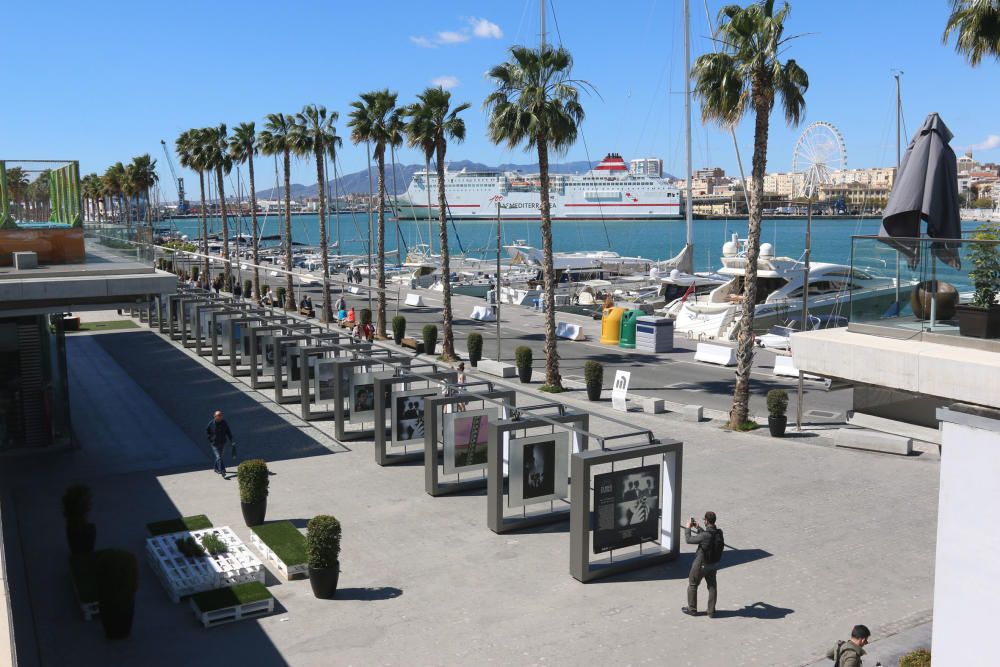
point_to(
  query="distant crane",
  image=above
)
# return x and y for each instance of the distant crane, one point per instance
(182, 207)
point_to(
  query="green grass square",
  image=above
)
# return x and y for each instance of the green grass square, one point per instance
(222, 598)
(285, 540)
(167, 526)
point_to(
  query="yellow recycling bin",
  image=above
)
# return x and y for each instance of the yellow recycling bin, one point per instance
(611, 323)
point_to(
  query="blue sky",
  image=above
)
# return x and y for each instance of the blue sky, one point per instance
(99, 83)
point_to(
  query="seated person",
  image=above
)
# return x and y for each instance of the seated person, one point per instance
(307, 307)
(350, 316)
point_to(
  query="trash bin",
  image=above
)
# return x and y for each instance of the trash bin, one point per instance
(626, 338)
(654, 334)
(611, 325)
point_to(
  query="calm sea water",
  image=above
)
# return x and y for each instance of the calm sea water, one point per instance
(654, 239)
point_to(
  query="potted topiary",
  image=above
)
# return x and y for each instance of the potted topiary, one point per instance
(117, 580)
(247, 288)
(398, 329)
(366, 316)
(323, 552)
(475, 344)
(252, 476)
(195, 272)
(522, 358)
(280, 294)
(777, 404)
(980, 318)
(430, 333)
(593, 374)
(921, 657)
(80, 533)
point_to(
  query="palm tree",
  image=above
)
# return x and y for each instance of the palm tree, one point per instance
(537, 103)
(279, 137)
(242, 148)
(114, 178)
(977, 23)
(17, 185)
(431, 124)
(318, 136)
(191, 155)
(90, 187)
(145, 178)
(376, 119)
(217, 154)
(746, 74)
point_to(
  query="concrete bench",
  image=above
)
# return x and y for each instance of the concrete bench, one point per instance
(483, 314)
(415, 300)
(721, 355)
(414, 344)
(856, 438)
(570, 331)
(497, 368)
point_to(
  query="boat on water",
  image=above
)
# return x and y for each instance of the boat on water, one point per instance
(780, 291)
(609, 191)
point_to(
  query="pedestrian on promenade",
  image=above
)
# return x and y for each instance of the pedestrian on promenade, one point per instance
(710, 543)
(357, 276)
(848, 653)
(218, 432)
(237, 290)
(350, 276)
(351, 317)
(342, 305)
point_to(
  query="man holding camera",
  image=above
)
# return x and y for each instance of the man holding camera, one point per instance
(706, 562)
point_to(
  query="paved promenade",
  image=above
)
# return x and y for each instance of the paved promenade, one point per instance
(823, 538)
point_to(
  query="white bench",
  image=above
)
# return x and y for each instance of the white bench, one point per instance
(721, 355)
(570, 331)
(497, 368)
(483, 314)
(414, 300)
(857, 438)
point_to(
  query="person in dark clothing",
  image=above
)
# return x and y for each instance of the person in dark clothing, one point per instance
(218, 432)
(701, 568)
(848, 653)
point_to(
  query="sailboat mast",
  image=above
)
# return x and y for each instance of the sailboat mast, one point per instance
(899, 113)
(688, 208)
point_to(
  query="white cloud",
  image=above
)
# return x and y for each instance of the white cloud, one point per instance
(447, 82)
(451, 37)
(423, 42)
(485, 29)
(991, 142)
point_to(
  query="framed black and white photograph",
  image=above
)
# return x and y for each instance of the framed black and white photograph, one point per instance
(627, 508)
(361, 398)
(323, 378)
(408, 415)
(465, 438)
(267, 349)
(539, 469)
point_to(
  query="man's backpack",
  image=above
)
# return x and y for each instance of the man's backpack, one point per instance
(714, 547)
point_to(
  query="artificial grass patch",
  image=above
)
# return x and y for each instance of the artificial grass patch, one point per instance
(108, 325)
(222, 598)
(167, 526)
(552, 389)
(284, 539)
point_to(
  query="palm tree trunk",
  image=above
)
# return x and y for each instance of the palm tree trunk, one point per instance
(253, 217)
(227, 267)
(448, 340)
(380, 320)
(327, 313)
(552, 378)
(289, 287)
(206, 278)
(739, 413)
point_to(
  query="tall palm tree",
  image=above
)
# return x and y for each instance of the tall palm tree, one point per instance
(431, 124)
(90, 188)
(745, 75)
(376, 119)
(317, 137)
(537, 103)
(114, 178)
(977, 23)
(242, 147)
(145, 178)
(278, 138)
(130, 188)
(191, 155)
(216, 147)
(17, 185)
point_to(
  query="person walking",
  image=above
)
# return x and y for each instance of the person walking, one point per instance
(218, 432)
(710, 543)
(848, 653)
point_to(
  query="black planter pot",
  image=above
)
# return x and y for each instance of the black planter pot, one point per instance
(397, 341)
(117, 618)
(474, 361)
(776, 425)
(324, 581)
(81, 538)
(593, 392)
(524, 374)
(253, 513)
(979, 322)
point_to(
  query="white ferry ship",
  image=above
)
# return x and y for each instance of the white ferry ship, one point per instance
(609, 191)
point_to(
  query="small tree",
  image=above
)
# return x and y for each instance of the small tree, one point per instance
(984, 254)
(523, 360)
(475, 344)
(593, 375)
(398, 328)
(777, 402)
(247, 288)
(323, 542)
(253, 480)
(430, 333)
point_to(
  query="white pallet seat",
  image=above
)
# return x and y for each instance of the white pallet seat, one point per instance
(183, 576)
(288, 571)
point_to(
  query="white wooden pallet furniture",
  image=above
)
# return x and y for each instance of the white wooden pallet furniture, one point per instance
(287, 571)
(234, 612)
(183, 576)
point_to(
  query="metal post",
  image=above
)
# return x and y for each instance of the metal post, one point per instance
(899, 112)
(496, 291)
(805, 306)
(368, 148)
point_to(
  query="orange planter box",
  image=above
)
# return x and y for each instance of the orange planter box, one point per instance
(54, 246)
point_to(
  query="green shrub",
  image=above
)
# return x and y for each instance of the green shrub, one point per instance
(475, 344)
(398, 328)
(919, 658)
(593, 373)
(232, 596)
(280, 295)
(195, 272)
(247, 288)
(777, 402)
(522, 357)
(430, 333)
(167, 526)
(117, 578)
(76, 504)
(189, 547)
(366, 316)
(323, 541)
(985, 259)
(253, 478)
(213, 544)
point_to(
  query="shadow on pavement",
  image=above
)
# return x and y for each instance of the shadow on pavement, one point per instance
(679, 568)
(368, 594)
(760, 610)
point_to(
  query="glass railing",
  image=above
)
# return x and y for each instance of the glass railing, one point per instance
(916, 285)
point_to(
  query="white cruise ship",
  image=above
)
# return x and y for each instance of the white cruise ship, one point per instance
(606, 192)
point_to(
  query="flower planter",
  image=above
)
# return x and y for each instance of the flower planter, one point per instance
(524, 374)
(253, 513)
(593, 392)
(324, 581)
(81, 538)
(979, 322)
(776, 425)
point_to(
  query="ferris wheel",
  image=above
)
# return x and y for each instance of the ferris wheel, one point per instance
(819, 155)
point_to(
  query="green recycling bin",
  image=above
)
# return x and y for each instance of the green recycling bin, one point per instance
(626, 338)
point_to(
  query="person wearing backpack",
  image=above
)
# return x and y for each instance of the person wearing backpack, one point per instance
(848, 653)
(710, 543)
